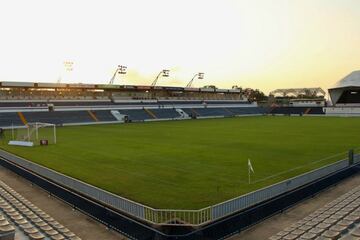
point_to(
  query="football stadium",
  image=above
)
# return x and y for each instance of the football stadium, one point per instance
(180, 120)
(174, 162)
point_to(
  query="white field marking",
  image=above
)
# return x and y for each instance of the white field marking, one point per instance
(299, 167)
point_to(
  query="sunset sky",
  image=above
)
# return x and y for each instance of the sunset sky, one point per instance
(263, 44)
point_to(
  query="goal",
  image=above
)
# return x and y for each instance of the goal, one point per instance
(32, 134)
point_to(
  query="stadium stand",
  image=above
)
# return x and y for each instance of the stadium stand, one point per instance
(136, 114)
(8, 104)
(247, 110)
(82, 103)
(296, 110)
(21, 219)
(207, 112)
(346, 91)
(150, 112)
(168, 113)
(345, 96)
(90, 116)
(9, 119)
(288, 110)
(104, 115)
(349, 96)
(14, 104)
(170, 102)
(59, 117)
(225, 102)
(338, 219)
(73, 103)
(213, 112)
(7, 230)
(316, 111)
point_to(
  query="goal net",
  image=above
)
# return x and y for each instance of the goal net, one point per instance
(33, 134)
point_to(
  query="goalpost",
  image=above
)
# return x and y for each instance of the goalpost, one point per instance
(36, 133)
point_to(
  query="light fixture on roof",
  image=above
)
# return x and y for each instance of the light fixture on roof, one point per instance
(68, 67)
(164, 73)
(119, 70)
(199, 75)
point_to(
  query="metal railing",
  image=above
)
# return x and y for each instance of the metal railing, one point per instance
(177, 217)
(357, 156)
(236, 204)
(110, 199)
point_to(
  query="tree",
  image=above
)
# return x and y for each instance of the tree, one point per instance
(210, 86)
(254, 94)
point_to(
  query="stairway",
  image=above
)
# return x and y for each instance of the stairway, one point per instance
(148, 111)
(93, 116)
(117, 115)
(195, 112)
(182, 113)
(22, 118)
(230, 112)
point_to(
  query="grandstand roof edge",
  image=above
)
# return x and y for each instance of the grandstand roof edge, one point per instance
(15, 84)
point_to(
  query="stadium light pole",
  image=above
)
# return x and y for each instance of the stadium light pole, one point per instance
(119, 70)
(68, 67)
(199, 75)
(164, 73)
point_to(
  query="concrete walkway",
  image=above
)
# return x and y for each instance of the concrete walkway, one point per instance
(83, 226)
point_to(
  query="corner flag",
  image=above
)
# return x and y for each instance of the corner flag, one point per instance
(250, 168)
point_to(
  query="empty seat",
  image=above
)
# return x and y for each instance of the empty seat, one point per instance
(309, 235)
(41, 224)
(36, 236)
(57, 237)
(33, 222)
(26, 226)
(291, 237)
(46, 228)
(305, 227)
(63, 230)
(338, 228)
(356, 233)
(331, 234)
(346, 223)
(7, 232)
(317, 231)
(69, 234)
(282, 233)
(335, 220)
(4, 222)
(51, 232)
(30, 230)
(74, 238)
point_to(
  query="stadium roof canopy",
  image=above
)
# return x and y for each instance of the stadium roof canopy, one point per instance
(347, 90)
(299, 91)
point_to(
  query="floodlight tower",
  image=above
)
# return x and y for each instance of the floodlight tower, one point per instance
(68, 67)
(199, 75)
(164, 73)
(119, 70)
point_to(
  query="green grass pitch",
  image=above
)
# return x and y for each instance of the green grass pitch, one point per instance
(195, 163)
